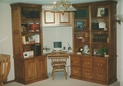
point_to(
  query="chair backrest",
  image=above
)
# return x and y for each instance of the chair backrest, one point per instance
(58, 58)
(59, 61)
(4, 66)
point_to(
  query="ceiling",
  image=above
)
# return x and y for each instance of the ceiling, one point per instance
(48, 1)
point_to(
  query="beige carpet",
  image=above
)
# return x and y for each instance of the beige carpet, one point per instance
(60, 81)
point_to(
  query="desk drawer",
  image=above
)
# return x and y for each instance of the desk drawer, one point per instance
(76, 61)
(100, 64)
(86, 62)
(87, 73)
(100, 75)
(76, 71)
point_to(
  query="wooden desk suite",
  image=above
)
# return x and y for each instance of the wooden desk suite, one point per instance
(58, 63)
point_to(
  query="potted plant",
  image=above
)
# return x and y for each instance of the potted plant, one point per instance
(103, 50)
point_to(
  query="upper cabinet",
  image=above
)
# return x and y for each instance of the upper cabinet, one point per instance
(95, 29)
(55, 19)
(27, 31)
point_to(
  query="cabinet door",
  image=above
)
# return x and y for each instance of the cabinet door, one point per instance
(30, 69)
(41, 67)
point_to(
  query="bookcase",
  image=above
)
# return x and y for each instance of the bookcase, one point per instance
(94, 34)
(30, 64)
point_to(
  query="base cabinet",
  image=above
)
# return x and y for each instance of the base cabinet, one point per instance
(30, 70)
(94, 69)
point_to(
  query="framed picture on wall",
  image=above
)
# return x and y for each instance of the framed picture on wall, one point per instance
(79, 25)
(64, 18)
(49, 17)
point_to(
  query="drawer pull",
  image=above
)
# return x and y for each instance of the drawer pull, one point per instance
(100, 64)
(75, 71)
(75, 61)
(100, 75)
(87, 73)
(87, 63)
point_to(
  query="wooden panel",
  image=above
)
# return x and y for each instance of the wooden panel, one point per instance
(30, 69)
(41, 67)
(19, 68)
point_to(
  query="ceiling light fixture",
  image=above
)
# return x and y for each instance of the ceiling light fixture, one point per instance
(63, 6)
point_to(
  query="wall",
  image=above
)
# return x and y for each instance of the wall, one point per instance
(51, 34)
(120, 44)
(6, 35)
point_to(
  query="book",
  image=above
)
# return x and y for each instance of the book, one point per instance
(23, 40)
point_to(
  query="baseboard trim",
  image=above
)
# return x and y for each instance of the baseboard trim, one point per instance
(9, 81)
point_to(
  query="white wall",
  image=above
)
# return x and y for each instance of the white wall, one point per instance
(52, 33)
(120, 44)
(6, 35)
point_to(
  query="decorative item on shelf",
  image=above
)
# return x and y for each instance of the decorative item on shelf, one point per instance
(102, 25)
(24, 27)
(102, 12)
(34, 27)
(27, 54)
(86, 50)
(80, 39)
(81, 50)
(31, 39)
(96, 52)
(63, 6)
(79, 25)
(102, 51)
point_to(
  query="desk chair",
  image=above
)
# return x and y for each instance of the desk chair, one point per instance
(4, 67)
(58, 63)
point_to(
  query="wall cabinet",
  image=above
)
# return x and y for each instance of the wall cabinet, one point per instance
(94, 42)
(30, 64)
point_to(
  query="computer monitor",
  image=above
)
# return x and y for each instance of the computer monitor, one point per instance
(57, 45)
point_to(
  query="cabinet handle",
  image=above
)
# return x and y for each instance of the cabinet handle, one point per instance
(100, 64)
(100, 75)
(75, 71)
(75, 61)
(87, 62)
(87, 73)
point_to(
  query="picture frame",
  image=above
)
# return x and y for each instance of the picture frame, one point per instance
(96, 52)
(80, 25)
(64, 18)
(49, 17)
(100, 12)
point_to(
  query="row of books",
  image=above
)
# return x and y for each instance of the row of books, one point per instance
(100, 38)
